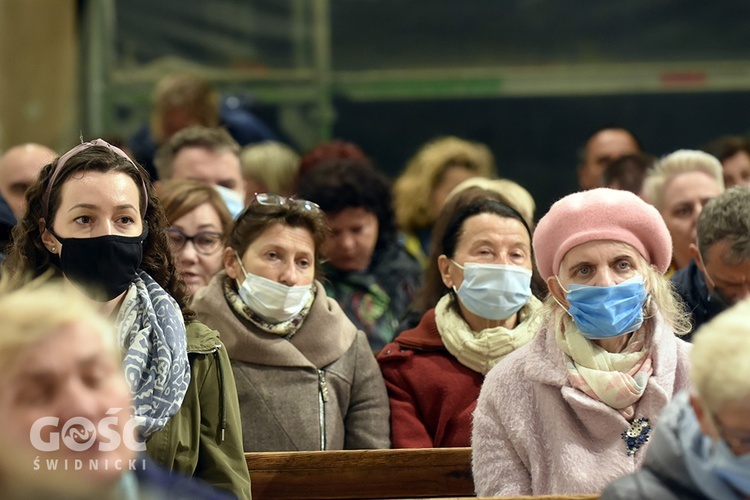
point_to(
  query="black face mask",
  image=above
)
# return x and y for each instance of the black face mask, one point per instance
(102, 267)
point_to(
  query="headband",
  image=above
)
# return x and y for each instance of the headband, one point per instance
(81, 147)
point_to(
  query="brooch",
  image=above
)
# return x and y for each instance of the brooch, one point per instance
(636, 435)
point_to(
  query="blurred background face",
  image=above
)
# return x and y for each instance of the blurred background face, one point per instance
(69, 374)
(736, 170)
(732, 281)
(281, 253)
(197, 247)
(354, 234)
(601, 149)
(683, 200)
(451, 177)
(489, 239)
(19, 168)
(212, 167)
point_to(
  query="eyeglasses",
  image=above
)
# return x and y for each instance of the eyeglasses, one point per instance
(276, 200)
(205, 242)
(739, 440)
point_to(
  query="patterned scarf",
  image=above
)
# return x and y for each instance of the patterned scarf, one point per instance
(616, 379)
(482, 350)
(152, 333)
(285, 329)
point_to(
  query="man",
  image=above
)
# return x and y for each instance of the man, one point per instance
(208, 155)
(19, 168)
(605, 145)
(718, 275)
(701, 443)
(734, 154)
(184, 100)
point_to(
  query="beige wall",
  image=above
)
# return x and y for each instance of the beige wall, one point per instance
(38, 72)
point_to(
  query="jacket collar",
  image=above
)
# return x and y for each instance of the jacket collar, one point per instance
(323, 338)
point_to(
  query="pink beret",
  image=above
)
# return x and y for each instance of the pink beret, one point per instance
(601, 214)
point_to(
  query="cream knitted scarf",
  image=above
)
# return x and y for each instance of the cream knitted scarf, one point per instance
(482, 350)
(616, 379)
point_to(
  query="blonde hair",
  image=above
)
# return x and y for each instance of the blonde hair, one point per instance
(37, 310)
(663, 299)
(272, 163)
(720, 369)
(413, 189)
(516, 195)
(680, 162)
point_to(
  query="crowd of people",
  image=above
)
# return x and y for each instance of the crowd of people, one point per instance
(209, 292)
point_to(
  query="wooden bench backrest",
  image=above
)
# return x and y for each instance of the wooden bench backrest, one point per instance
(361, 474)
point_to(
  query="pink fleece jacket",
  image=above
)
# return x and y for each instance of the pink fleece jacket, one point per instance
(534, 434)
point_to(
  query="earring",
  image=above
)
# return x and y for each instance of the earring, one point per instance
(53, 249)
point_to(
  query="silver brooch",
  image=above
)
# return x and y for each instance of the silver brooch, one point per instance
(636, 435)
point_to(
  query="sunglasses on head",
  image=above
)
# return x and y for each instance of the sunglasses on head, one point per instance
(276, 200)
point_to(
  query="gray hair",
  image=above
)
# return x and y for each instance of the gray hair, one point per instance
(727, 218)
(212, 139)
(674, 164)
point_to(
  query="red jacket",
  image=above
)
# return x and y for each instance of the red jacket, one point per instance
(432, 395)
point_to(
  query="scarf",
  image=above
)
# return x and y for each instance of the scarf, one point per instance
(482, 350)
(616, 379)
(152, 333)
(285, 329)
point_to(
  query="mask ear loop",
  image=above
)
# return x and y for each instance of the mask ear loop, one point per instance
(239, 261)
(555, 298)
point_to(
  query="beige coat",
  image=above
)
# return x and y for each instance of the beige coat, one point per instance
(320, 390)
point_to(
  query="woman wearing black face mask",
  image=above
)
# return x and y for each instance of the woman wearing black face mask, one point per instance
(306, 377)
(93, 221)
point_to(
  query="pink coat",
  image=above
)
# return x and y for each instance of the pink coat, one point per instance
(534, 434)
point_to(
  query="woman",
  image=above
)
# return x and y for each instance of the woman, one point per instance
(701, 447)
(92, 218)
(419, 193)
(482, 248)
(571, 411)
(59, 368)
(198, 221)
(368, 271)
(679, 187)
(306, 377)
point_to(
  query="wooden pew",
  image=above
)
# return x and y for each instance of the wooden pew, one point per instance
(361, 474)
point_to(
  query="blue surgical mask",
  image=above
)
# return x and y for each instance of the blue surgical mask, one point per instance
(232, 199)
(731, 468)
(494, 291)
(603, 312)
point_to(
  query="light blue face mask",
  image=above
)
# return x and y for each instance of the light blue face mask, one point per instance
(603, 312)
(232, 200)
(731, 468)
(494, 291)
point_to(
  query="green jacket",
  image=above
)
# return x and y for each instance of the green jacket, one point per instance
(204, 438)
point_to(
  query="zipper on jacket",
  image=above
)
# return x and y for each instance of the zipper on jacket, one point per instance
(322, 400)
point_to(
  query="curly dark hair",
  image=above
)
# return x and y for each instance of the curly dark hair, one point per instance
(28, 258)
(350, 183)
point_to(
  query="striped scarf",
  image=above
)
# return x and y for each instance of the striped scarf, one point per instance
(616, 379)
